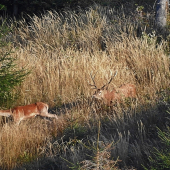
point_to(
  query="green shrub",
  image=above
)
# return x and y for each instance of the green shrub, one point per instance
(10, 75)
(161, 157)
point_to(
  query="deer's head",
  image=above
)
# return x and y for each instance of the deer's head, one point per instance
(101, 92)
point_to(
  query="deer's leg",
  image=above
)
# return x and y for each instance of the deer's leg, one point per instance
(17, 119)
(46, 114)
(108, 103)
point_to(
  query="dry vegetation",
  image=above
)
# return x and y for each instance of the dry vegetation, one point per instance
(61, 50)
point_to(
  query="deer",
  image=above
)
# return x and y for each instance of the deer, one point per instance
(20, 113)
(118, 94)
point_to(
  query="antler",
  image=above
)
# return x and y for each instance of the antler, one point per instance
(110, 79)
(94, 84)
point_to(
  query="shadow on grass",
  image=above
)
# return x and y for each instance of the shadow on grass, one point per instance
(132, 130)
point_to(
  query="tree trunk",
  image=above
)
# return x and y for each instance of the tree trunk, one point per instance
(161, 13)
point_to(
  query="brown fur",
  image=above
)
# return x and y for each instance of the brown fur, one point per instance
(24, 112)
(125, 91)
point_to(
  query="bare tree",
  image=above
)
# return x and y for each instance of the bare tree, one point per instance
(162, 8)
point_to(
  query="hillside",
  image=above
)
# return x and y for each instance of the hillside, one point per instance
(62, 50)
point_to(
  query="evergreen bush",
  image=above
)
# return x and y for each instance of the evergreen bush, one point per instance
(10, 74)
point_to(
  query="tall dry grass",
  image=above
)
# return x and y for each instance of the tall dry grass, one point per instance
(61, 50)
(21, 144)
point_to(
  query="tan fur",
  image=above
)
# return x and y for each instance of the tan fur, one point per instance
(125, 91)
(24, 112)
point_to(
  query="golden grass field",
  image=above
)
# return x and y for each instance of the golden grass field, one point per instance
(61, 51)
